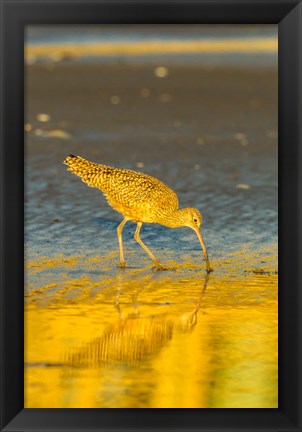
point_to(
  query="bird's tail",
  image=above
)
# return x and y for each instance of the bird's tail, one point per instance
(88, 171)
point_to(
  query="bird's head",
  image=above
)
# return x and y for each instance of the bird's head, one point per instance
(192, 218)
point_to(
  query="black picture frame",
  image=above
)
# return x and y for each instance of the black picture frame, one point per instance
(14, 16)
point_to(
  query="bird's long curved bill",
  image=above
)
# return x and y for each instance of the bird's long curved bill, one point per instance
(199, 235)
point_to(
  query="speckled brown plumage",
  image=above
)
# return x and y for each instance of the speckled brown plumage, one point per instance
(138, 197)
(129, 192)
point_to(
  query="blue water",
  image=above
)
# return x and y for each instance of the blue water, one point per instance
(37, 34)
(91, 34)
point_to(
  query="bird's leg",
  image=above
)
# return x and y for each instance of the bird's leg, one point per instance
(120, 242)
(139, 241)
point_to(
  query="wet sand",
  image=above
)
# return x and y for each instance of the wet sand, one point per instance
(211, 134)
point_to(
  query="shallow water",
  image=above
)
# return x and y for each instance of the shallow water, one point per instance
(99, 336)
(142, 338)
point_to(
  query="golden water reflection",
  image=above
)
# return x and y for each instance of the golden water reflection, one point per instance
(153, 339)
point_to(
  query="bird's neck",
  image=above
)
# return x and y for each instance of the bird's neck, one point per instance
(174, 219)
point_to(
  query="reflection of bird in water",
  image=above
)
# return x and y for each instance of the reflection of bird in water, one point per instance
(138, 197)
(127, 342)
(134, 338)
(189, 320)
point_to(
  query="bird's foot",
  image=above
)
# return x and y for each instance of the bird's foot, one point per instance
(159, 266)
(210, 269)
(122, 265)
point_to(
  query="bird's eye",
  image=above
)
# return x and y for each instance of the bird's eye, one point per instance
(195, 220)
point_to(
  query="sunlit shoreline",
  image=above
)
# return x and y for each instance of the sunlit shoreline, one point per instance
(138, 48)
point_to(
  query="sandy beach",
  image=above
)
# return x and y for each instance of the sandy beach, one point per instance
(208, 131)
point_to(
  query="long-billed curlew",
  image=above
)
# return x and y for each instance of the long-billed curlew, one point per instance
(139, 198)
